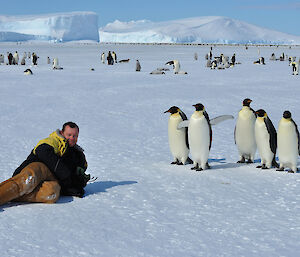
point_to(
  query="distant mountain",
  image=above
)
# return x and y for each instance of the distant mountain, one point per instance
(207, 29)
(60, 27)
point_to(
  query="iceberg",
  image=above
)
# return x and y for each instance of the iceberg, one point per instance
(61, 27)
(205, 29)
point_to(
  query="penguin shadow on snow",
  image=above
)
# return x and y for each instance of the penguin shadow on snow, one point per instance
(226, 165)
(102, 186)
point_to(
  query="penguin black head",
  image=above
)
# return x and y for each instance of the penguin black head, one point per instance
(247, 102)
(287, 115)
(199, 107)
(261, 113)
(170, 63)
(172, 110)
(28, 72)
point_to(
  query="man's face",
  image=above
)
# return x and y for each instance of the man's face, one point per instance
(71, 134)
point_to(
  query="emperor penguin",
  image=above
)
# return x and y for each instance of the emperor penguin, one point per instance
(176, 66)
(103, 58)
(244, 136)
(295, 66)
(266, 140)
(178, 138)
(288, 143)
(137, 66)
(55, 65)
(28, 72)
(200, 137)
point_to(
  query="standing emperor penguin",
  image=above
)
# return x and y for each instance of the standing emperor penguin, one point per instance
(266, 140)
(200, 137)
(288, 143)
(244, 136)
(178, 138)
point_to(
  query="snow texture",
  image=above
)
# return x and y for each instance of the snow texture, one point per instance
(141, 205)
(206, 29)
(60, 27)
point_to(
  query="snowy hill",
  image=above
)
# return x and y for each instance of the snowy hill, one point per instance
(58, 27)
(207, 29)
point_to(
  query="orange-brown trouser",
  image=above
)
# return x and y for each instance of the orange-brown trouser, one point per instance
(35, 183)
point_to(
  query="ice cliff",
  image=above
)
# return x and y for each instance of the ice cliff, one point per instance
(57, 27)
(205, 29)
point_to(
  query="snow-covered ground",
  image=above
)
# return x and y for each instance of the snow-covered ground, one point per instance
(141, 205)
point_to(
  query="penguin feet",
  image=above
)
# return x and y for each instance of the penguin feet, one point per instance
(195, 167)
(241, 160)
(264, 167)
(207, 166)
(199, 169)
(259, 166)
(291, 171)
(280, 169)
(177, 162)
(249, 161)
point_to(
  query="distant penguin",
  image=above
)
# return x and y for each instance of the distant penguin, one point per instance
(266, 140)
(295, 66)
(114, 56)
(28, 72)
(273, 57)
(200, 137)
(48, 60)
(103, 58)
(137, 66)
(244, 135)
(233, 59)
(157, 72)
(214, 64)
(176, 66)
(16, 58)
(34, 58)
(288, 143)
(1, 59)
(55, 65)
(10, 58)
(208, 64)
(178, 138)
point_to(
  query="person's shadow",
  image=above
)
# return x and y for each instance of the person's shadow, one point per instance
(95, 188)
(102, 186)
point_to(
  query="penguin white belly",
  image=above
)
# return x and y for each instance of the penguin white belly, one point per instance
(177, 139)
(199, 140)
(262, 138)
(287, 141)
(245, 135)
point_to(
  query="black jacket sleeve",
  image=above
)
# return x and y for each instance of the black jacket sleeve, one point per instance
(46, 154)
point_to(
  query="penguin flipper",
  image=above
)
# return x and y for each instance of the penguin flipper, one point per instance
(273, 134)
(220, 119)
(183, 124)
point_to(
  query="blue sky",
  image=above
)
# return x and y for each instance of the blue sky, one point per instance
(273, 14)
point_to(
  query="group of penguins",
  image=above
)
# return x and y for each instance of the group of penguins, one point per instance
(253, 130)
(13, 59)
(55, 66)
(292, 61)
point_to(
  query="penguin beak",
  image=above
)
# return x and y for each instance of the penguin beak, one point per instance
(167, 111)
